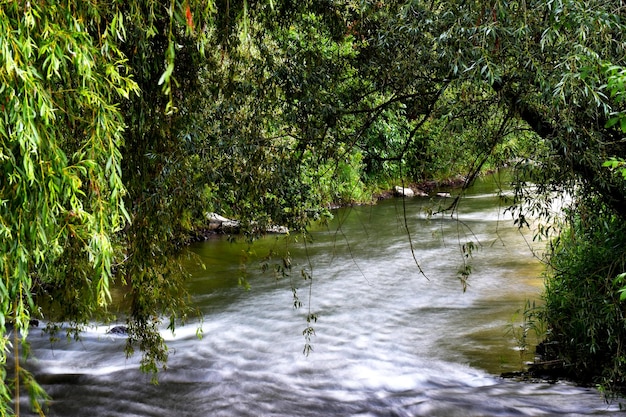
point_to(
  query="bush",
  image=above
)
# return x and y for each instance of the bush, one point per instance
(583, 311)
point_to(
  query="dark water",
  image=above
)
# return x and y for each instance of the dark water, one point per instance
(389, 341)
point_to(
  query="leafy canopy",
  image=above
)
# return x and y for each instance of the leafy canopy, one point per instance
(124, 122)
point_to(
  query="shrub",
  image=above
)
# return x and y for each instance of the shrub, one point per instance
(583, 311)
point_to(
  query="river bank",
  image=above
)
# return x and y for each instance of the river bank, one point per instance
(217, 225)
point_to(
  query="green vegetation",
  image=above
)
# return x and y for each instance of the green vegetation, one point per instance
(583, 308)
(124, 122)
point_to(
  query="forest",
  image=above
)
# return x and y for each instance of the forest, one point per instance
(123, 123)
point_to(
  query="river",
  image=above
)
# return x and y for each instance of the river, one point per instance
(389, 340)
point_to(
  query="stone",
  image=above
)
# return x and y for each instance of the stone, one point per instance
(217, 222)
(279, 230)
(403, 192)
(118, 330)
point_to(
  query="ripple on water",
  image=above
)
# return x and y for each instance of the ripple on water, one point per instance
(388, 341)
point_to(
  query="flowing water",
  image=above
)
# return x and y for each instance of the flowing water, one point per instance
(389, 340)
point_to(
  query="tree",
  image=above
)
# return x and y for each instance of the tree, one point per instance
(61, 183)
(84, 83)
(68, 93)
(124, 122)
(499, 70)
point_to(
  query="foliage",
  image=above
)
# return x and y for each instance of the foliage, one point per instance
(340, 182)
(124, 122)
(61, 133)
(527, 329)
(583, 310)
(616, 85)
(617, 164)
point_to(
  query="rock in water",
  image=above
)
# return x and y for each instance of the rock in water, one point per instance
(118, 330)
(403, 192)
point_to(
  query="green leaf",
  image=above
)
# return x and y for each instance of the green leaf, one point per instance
(611, 122)
(165, 77)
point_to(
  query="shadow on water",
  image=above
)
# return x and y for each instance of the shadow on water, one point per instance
(389, 341)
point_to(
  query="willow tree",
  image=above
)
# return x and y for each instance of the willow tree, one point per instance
(61, 133)
(539, 66)
(552, 68)
(122, 123)
(67, 82)
(492, 72)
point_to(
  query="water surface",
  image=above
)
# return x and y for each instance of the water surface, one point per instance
(389, 340)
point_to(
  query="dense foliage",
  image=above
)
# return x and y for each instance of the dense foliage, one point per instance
(60, 184)
(125, 122)
(583, 306)
(585, 286)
